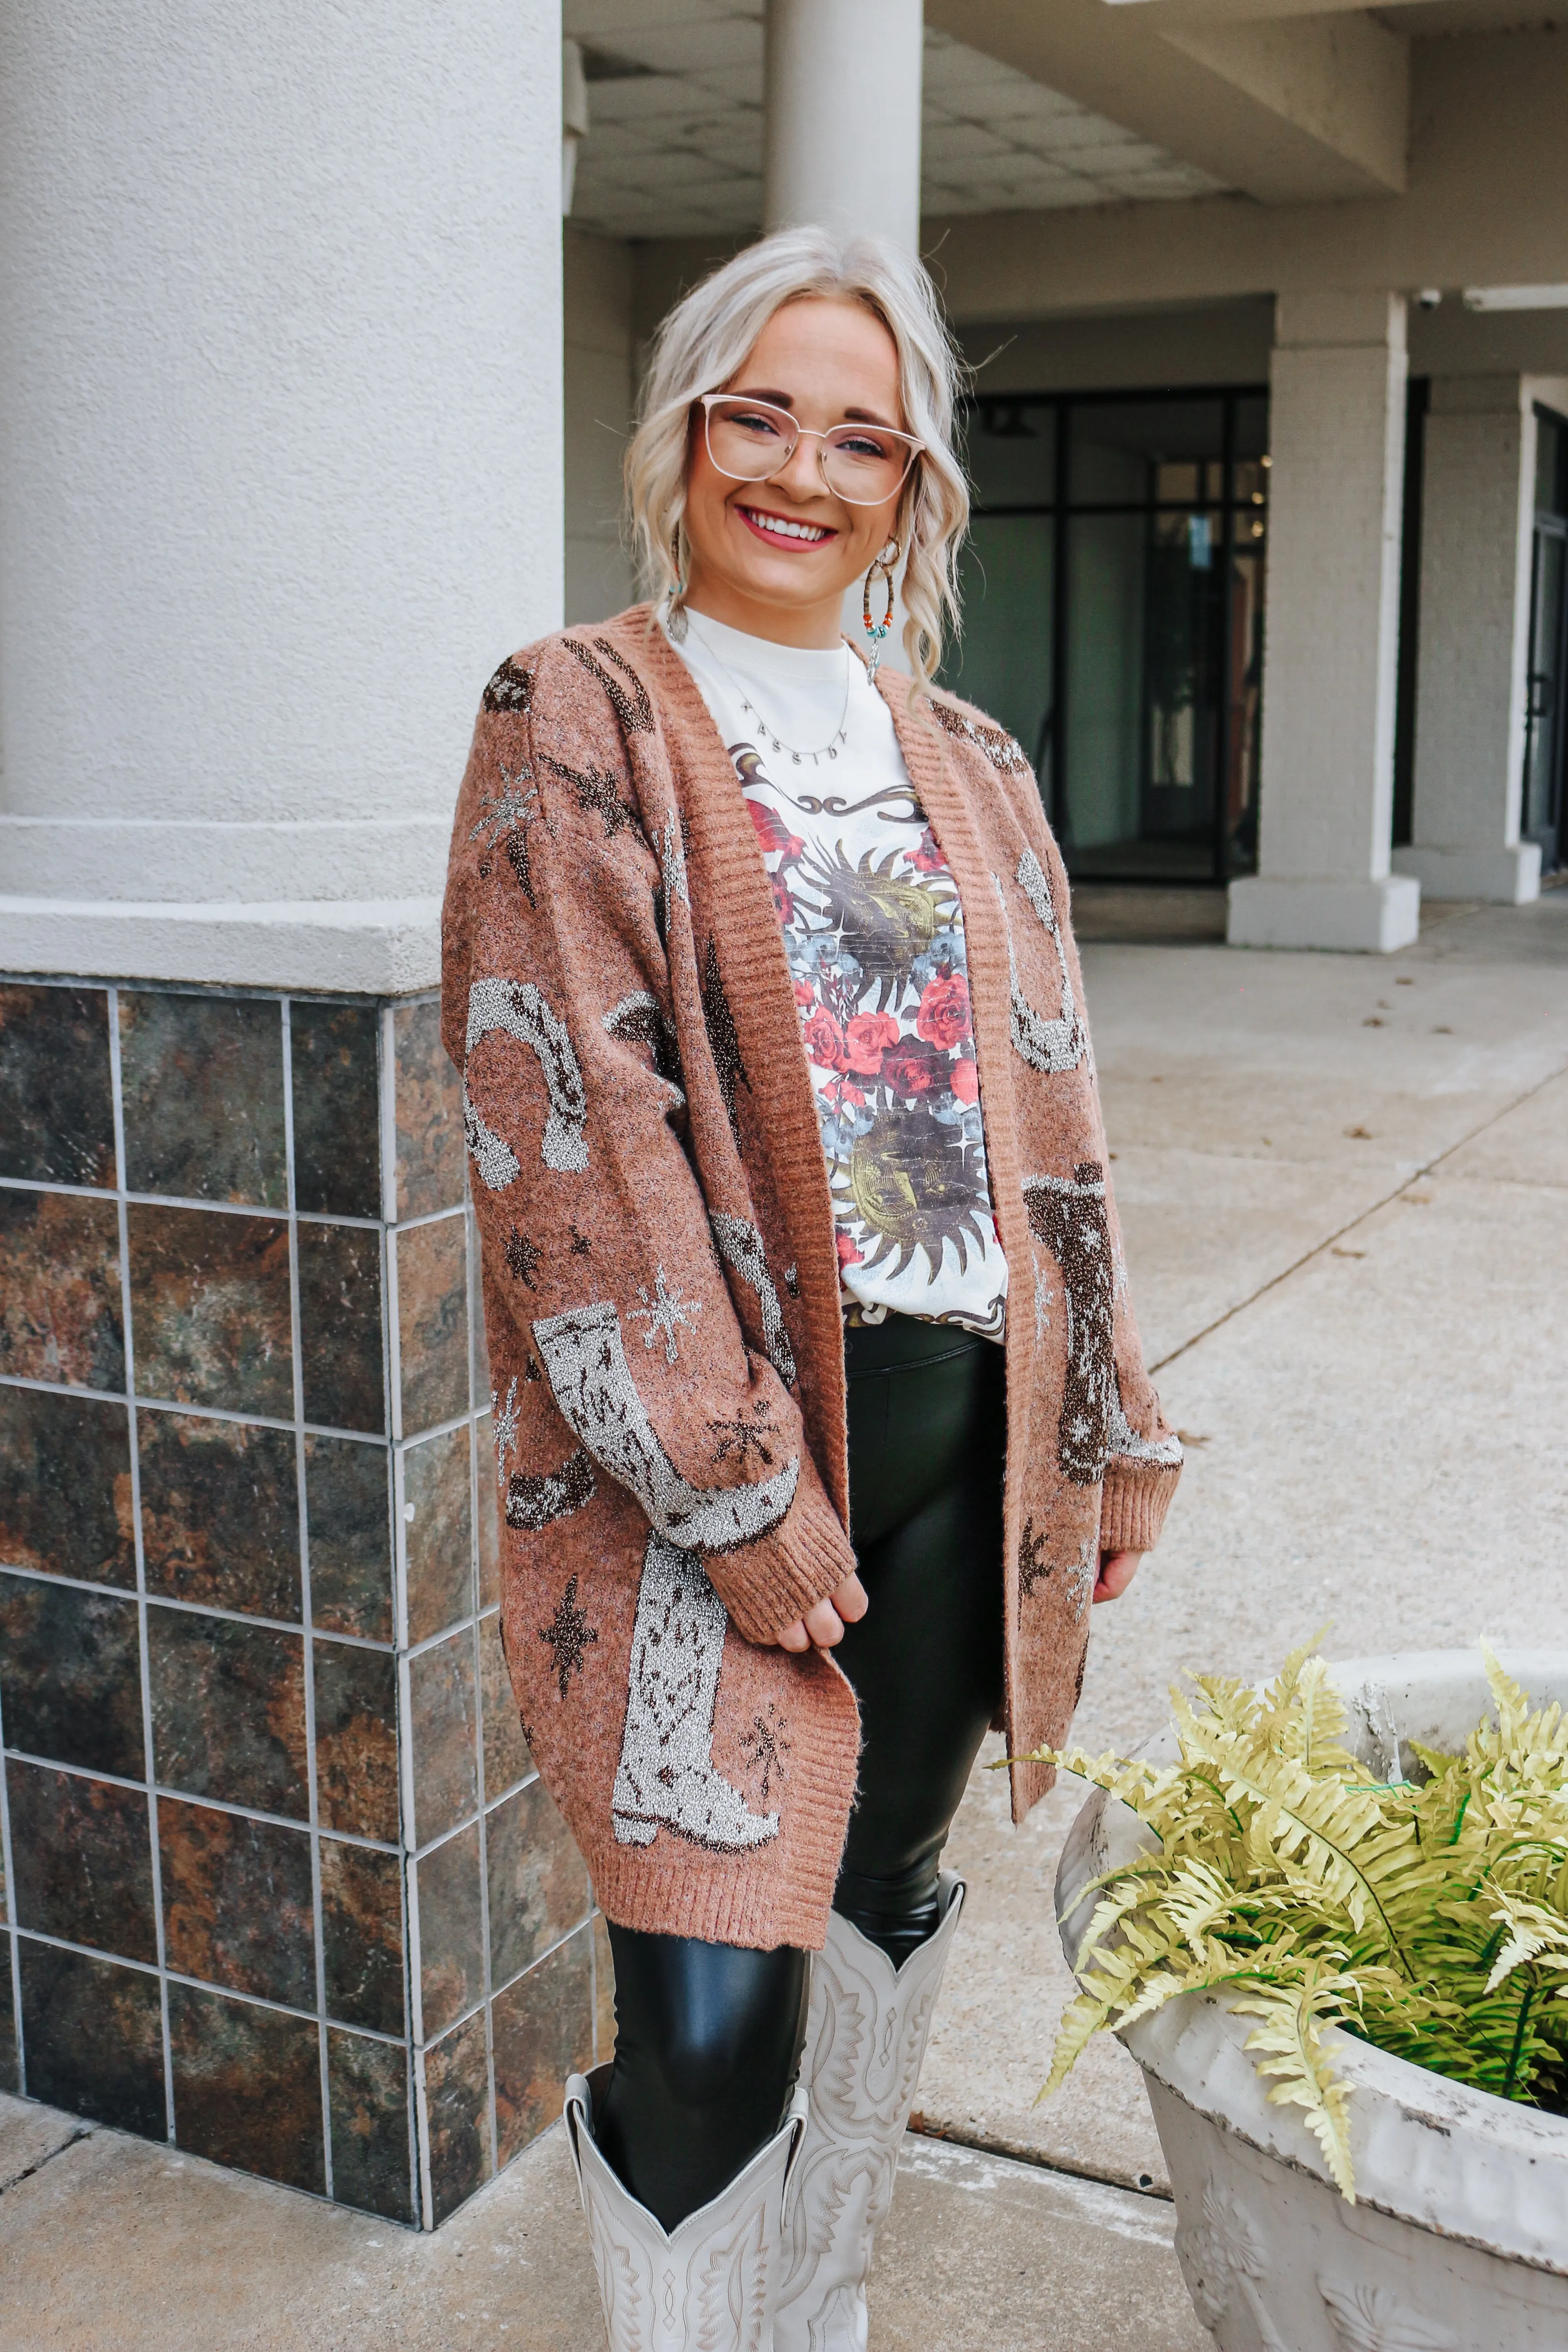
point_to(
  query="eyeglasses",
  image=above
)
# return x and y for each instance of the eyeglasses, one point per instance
(750, 441)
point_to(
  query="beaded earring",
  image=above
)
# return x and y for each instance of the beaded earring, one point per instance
(878, 630)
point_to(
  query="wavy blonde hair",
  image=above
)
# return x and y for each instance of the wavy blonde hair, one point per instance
(701, 347)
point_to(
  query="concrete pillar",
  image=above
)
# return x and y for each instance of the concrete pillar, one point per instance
(1477, 495)
(1337, 434)
(843, 146)
(280, 480)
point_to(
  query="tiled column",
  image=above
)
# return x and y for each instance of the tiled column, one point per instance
(1478, 501)
(1337, 436)
(280, 1884)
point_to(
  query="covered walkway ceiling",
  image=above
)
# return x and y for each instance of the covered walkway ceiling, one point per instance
(1030, 105)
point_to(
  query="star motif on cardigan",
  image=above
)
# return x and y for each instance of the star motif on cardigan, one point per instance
(1033, 1565)
(504, 1429)
(596, 793)
(741, 1438)
(511, 689)
(569, 1635)
(523, 1258)
(581, 1244)
(765, 1748)
(664, 1312)
(509, 813)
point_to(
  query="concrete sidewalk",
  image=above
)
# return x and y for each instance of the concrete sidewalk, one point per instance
(1344, 1185)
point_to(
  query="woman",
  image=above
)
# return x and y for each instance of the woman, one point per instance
(820, 1411)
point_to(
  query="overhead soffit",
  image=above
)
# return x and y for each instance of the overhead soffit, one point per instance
(675, 141)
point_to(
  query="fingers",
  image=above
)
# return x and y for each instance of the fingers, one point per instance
(824, 1625)
(850, 1600)
(794, 1637)
(1117, 1571)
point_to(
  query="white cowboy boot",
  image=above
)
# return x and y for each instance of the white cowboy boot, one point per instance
(712, 2283)
(864, 2043)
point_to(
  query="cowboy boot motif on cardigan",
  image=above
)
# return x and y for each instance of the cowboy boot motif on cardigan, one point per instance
(711, 2283)
(865, 2040)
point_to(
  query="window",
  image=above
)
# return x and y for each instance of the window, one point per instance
(1113, 619)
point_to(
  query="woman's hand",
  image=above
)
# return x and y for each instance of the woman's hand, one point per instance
(824, 1625)
(1117, 1571)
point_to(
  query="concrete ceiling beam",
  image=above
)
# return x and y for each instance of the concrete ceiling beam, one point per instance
(1487, 204)
(1288, 111)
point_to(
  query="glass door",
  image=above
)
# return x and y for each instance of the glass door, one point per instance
(1546, 684)
(1113, 619)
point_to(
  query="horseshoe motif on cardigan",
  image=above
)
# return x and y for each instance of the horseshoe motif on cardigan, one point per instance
(586, 1358)
(518, 1009)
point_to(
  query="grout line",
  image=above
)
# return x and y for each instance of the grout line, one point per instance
(13, 1955)
(470, 1286)
(117, 1087)
(228, 990)
(203, 1984)
(313, 1798)
(213, 1805)
(209, 1411)
(1418, 1175)
(192, 1201)
(465, 2017)
(206, 1608)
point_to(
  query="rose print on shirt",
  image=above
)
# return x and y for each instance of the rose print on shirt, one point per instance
(876, 950)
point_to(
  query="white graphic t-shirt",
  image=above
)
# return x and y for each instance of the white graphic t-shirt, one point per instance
(874, 933)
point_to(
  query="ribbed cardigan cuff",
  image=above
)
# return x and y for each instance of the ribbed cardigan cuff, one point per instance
(770, 1583)
(1133, 1504)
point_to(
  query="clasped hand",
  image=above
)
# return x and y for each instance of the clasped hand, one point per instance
(823, 1625)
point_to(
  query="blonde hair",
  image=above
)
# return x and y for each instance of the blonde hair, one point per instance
(703, 342)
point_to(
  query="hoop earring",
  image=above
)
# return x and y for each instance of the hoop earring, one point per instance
(878, 630)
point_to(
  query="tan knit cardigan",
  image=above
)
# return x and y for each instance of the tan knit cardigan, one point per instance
(661, 1279)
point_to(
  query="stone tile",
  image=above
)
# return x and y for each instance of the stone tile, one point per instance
(356, 1740)
(65, 1486)
(542, 2028)
(452, 1934)
(70, 1676)
(538, 1882)
(57, 1106)
(247, 2086)
(94, 2037)
(349, 1512)
(489, 1529)
(437, 1538)
(202, 1084)
(220, 1513)
(441, 1730)
(83, 1860)
(431, 1157)
(341, 1348)
(209, 1307)
(456, 2102)
(368, 2096)
(433, 1322)
(337, 1121)
(228, 1710)
(237, 1906)
(361, 1935)
(604, 1993)
(508, 1759)
(59, 1290)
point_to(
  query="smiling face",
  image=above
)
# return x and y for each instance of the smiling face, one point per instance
(774, 557)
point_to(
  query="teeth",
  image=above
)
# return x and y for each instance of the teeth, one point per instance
(787, 529)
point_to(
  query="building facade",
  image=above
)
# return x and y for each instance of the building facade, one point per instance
(313, 410)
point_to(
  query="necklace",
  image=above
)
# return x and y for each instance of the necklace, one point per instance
(828, 751)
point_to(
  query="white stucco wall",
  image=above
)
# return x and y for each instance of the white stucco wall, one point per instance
(281, 476)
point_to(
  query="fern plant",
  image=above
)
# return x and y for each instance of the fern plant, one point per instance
(1429, 1917)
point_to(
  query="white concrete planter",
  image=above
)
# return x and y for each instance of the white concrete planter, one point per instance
(1459, 2240)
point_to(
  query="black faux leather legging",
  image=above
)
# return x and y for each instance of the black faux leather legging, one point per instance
(709, 2035)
